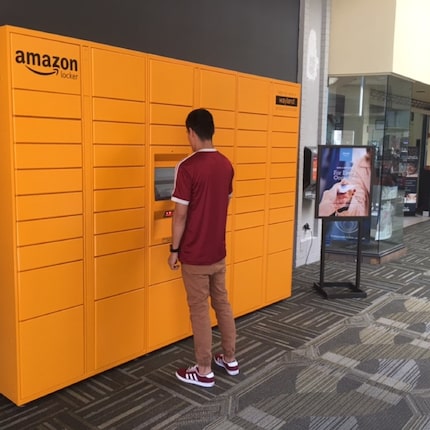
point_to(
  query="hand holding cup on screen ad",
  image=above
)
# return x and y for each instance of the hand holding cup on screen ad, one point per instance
(344, 194)
(344, 181)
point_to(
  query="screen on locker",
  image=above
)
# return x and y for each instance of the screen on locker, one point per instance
(164, 182)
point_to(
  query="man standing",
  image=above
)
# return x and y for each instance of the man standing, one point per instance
(203, 186)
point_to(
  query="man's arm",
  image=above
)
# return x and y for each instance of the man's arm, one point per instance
(178, 227)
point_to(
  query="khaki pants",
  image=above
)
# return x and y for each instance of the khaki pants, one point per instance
(202, 282)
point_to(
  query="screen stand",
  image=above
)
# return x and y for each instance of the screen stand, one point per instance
(340, 290)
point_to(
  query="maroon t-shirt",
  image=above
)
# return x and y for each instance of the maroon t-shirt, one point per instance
(203, 182)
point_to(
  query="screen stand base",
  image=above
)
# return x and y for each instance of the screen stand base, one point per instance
(339, 290)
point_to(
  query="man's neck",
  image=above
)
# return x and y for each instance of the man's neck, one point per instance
(204, 144)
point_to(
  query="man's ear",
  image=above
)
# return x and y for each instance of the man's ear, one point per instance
(192, 138)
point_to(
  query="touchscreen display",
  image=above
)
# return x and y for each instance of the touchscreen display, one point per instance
(164, 182)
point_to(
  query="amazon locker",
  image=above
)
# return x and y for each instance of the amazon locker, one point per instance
(89, 138)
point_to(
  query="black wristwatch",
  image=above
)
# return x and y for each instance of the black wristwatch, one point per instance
(173, 249)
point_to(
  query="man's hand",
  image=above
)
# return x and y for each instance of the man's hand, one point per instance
(178, 226)
(172, 261)
(344, 194)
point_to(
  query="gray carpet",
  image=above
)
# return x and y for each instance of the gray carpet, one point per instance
(306, 363)
(371, 371)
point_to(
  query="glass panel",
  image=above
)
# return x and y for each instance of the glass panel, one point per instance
(373, 110)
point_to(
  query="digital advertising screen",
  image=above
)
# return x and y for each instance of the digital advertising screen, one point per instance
(344, 182)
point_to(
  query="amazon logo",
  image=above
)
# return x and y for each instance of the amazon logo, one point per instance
(47, 65)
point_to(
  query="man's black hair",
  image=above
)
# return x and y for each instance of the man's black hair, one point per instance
(201, 121)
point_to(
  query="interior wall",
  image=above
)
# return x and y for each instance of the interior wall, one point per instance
(362, 36)
(313, 119)
(412, 33)
(252, 36)
(383, 37)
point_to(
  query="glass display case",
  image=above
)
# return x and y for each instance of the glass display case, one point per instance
(373, 111)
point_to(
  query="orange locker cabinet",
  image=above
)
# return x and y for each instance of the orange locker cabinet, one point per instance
(248, 294)
(52, 351)
(116, 202)
(119, 328)
(73, 180)
(42, 223)
(167, 312)
(89, 138)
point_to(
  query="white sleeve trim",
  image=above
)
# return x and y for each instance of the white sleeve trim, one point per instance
(180, 201)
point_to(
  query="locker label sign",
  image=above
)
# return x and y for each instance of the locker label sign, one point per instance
(286, 101)
(46, 65)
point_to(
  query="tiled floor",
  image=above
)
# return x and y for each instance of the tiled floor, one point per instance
(412, 220)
